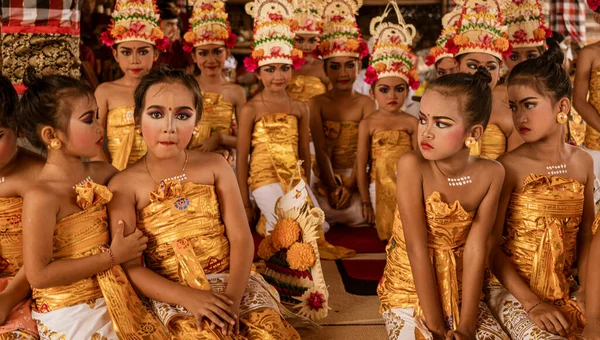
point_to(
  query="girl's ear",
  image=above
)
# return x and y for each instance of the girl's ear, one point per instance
(477, 131)
(564, 105)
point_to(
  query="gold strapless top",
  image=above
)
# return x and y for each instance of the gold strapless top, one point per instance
(592, 136)
(540, 232)
(75, 236)
(386, 149)
(302, 88)
(491, 145)
(448, 226)
(11, 236)
(341, 138)
(125, 145)
(217, 116)
(183, 225)
(274, 150)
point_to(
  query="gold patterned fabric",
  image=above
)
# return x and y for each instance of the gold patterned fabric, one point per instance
(386, 149)
(491, 145)
(11, 236)
(84, 234)
(341, 139)
(540, 238)
(125, 145)
(188, 244)
(217, 117)
(448, 226)
(274, 150)
(302, 88)
(592, 136)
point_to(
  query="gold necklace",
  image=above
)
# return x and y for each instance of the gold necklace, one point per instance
(180, 177)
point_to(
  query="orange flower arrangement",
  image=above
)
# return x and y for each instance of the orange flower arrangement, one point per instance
(286, 232)
(301, 256)
(460, 40)
(265, 248)
(501, 44)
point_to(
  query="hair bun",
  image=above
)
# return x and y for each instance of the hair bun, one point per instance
(482, 76)
(553, 55)
(30, 77)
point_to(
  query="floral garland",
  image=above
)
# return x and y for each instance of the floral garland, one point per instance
(594, 5)
(120, 32)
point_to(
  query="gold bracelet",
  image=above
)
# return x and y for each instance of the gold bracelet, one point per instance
(592, 323)
(532, 307)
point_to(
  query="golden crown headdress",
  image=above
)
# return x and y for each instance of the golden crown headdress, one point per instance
(309, 16)
(341, 36)
(525, 23)
(209, 26)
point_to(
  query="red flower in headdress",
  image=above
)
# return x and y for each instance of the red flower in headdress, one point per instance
(251, 64)
(520, 34)
(337, 18)
(107, 39)
(508, 52)
(363, 49)
(594, 4)
(430, 60)
(162, 44)
(480, 8)
(206, 7)
(451, 46)
(371, 76)
(275, 16)
(231, 40)
(297, 62)
(136, 27)
(188, 47)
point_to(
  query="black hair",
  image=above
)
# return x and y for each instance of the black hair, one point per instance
(460, 57)
(44, 103)
(167, 13)
(473, 91)
(546, 74)
(8, 104)
(166, 75)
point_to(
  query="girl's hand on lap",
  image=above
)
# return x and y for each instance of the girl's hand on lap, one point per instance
(215, 307)
(549, 318)
(126, 248)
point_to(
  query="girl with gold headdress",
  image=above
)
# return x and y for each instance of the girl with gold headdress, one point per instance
(586, 98)
(432, 282)
(79, 290)
(480, 40)
(310, 79)
(388, 133)
(19, 171)
(135, 38)
(442, 54)
(209, 40)
(543, 228)
(198, 273)
(273, 127)
(335, 115)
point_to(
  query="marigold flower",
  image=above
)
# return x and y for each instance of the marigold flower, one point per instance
(265, 248)
(501, 44)
(118, 30)
(301, 256)
(352, 44)
(189, 37)
(258, 53)
(460, 40)
(286, 232)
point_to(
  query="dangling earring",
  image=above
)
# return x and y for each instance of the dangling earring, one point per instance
(470, 141)
(196, 132)
(55, 144)
(562, 117)
(138, 129)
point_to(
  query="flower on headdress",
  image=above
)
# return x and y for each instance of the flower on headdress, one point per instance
(371, 76)
(430, 60)
(480, 8)
(380, 67)
(293, 25)
(451, 46)
(520, 34)
(460, 40)
(508, 51)
(337, 18)
(162, 44)
(413, 81)
(189, 37)
(501, 44)
(542, 33)
(231, 40)
(136, 27)
(485, 39)
(258, 53)
(301, 256)
(352, 44)
(325, 45)
(107, 39)
(436, 50)
(218, 5)
(518, 2)
(188, 47)
(395, 39)
(206, 7)
(157, 33)
(363, 49)
(297, 53)
(297, 62)
(275, 50)
(397, 65)
(118, 30)
(594, 4)
(206, 34)
(275, 16)
(251, 64)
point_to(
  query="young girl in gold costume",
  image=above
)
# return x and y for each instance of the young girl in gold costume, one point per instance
(199, 255)
(79, 288)
(19, 169)
(480, 41)
(441, 56)
(431, 286)
(135, 37)
(543, 227)
(388, 133)
(586, 96)
(209, 40)
(335, 115)
(309, 80)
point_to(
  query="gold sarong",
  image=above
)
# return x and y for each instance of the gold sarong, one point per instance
(217, 117)
(491, 145)
(302, 88)
(125, 145)
(592, 137)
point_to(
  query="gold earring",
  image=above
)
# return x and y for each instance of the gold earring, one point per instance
(138, 129)
(55, 144)
(196, 132)
(562, 117)
(470, 141)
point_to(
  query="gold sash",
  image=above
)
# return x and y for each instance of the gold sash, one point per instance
(592, 136)
(11, 236)
(491, 145)
(84, 234)
(302, 88)
(386, 149)
(342, 139)
(125, 145)
(448, 226)
(217, 117)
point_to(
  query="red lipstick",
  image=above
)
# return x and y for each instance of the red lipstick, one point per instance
(426, 146)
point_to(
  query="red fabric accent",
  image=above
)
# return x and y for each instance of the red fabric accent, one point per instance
(363, 240)
(371, 270)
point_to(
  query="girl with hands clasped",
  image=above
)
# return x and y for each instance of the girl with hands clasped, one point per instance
(546, 210)
(73, 272)
(427, 286)
(198, 271)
